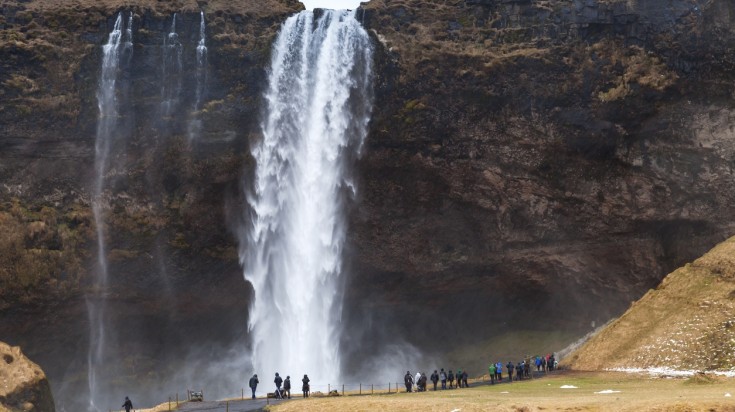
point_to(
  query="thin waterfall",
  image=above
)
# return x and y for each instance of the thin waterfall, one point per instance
(171, 71)
(195, 123)
(119, 43)
(318, 107)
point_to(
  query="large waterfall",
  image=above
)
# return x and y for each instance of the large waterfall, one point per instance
(318, 106)
(119, 46)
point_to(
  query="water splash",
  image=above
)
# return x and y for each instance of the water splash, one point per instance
(119, 44)
(195, 123)
(318, 107)
(171, 71)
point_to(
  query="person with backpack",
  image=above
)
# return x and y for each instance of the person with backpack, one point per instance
(443, 378)
(459, 378)
(499, 371)
(287, 386)
(434, 379)
(451, 379)
(408, 381)
(278, 381)
(519, 371)
(491, 372)
(510, 371)
(305, 386)
(128, 405)
(464, 379)
(422, 382)
(253, 383)
(416, 382)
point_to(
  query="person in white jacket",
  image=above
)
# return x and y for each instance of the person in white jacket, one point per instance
(416, 380)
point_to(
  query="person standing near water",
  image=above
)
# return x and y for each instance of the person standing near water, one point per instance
(305, 386)
(408, 380)
(287, 386)
(253, 383)
(127, 405)
(278, 381)
(443, 378)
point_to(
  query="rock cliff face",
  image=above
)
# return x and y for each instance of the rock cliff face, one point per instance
(537, 165)
(531, 165)
(23, 385)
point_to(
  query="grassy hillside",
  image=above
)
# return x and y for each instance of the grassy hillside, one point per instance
(687, 322)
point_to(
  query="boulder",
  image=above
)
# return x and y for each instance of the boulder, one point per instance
(23, 385)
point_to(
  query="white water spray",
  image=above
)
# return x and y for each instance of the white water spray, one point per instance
(171, 71)
(195, 123)
(318, 108)
(118, 43)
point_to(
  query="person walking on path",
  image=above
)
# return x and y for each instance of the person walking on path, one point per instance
(491, 372)
(499, 371)
(127, 404)
(278, 381)
(305, 386)
(459, 378)
(451, 379)
(464, 379)
(408, 381)
(443, 378)
(434, 379)
(287, 386)
(510, 371)
(254, 383)
(416, 381)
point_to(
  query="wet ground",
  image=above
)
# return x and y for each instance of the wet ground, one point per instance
(246, 405)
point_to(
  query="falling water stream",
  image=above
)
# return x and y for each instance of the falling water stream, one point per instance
(171, 71)
(318, 107)
(119, 45)
(195, 123)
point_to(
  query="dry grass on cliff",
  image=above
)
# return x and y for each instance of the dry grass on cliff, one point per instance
(634, 393)
(686, 323)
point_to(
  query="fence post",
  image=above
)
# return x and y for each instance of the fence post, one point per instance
(388, 387)
(343, 389)
(177, 399)
(372, 389)
(227, 406)
(169, 403)
(329, 388)
(242, 393)
(360, 388)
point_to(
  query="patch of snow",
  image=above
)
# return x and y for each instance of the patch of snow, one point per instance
(672, 372)
(505, 392)
(606, 391)
(568, 387)
(727, 395)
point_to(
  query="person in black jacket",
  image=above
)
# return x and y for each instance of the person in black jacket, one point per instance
(408, 380)
(305, 386)
(510, 367)
(127, 405)
(451, 379)
(278, 381)
(287, 386)
(434, 378)
(464, 379)
(254, 383)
